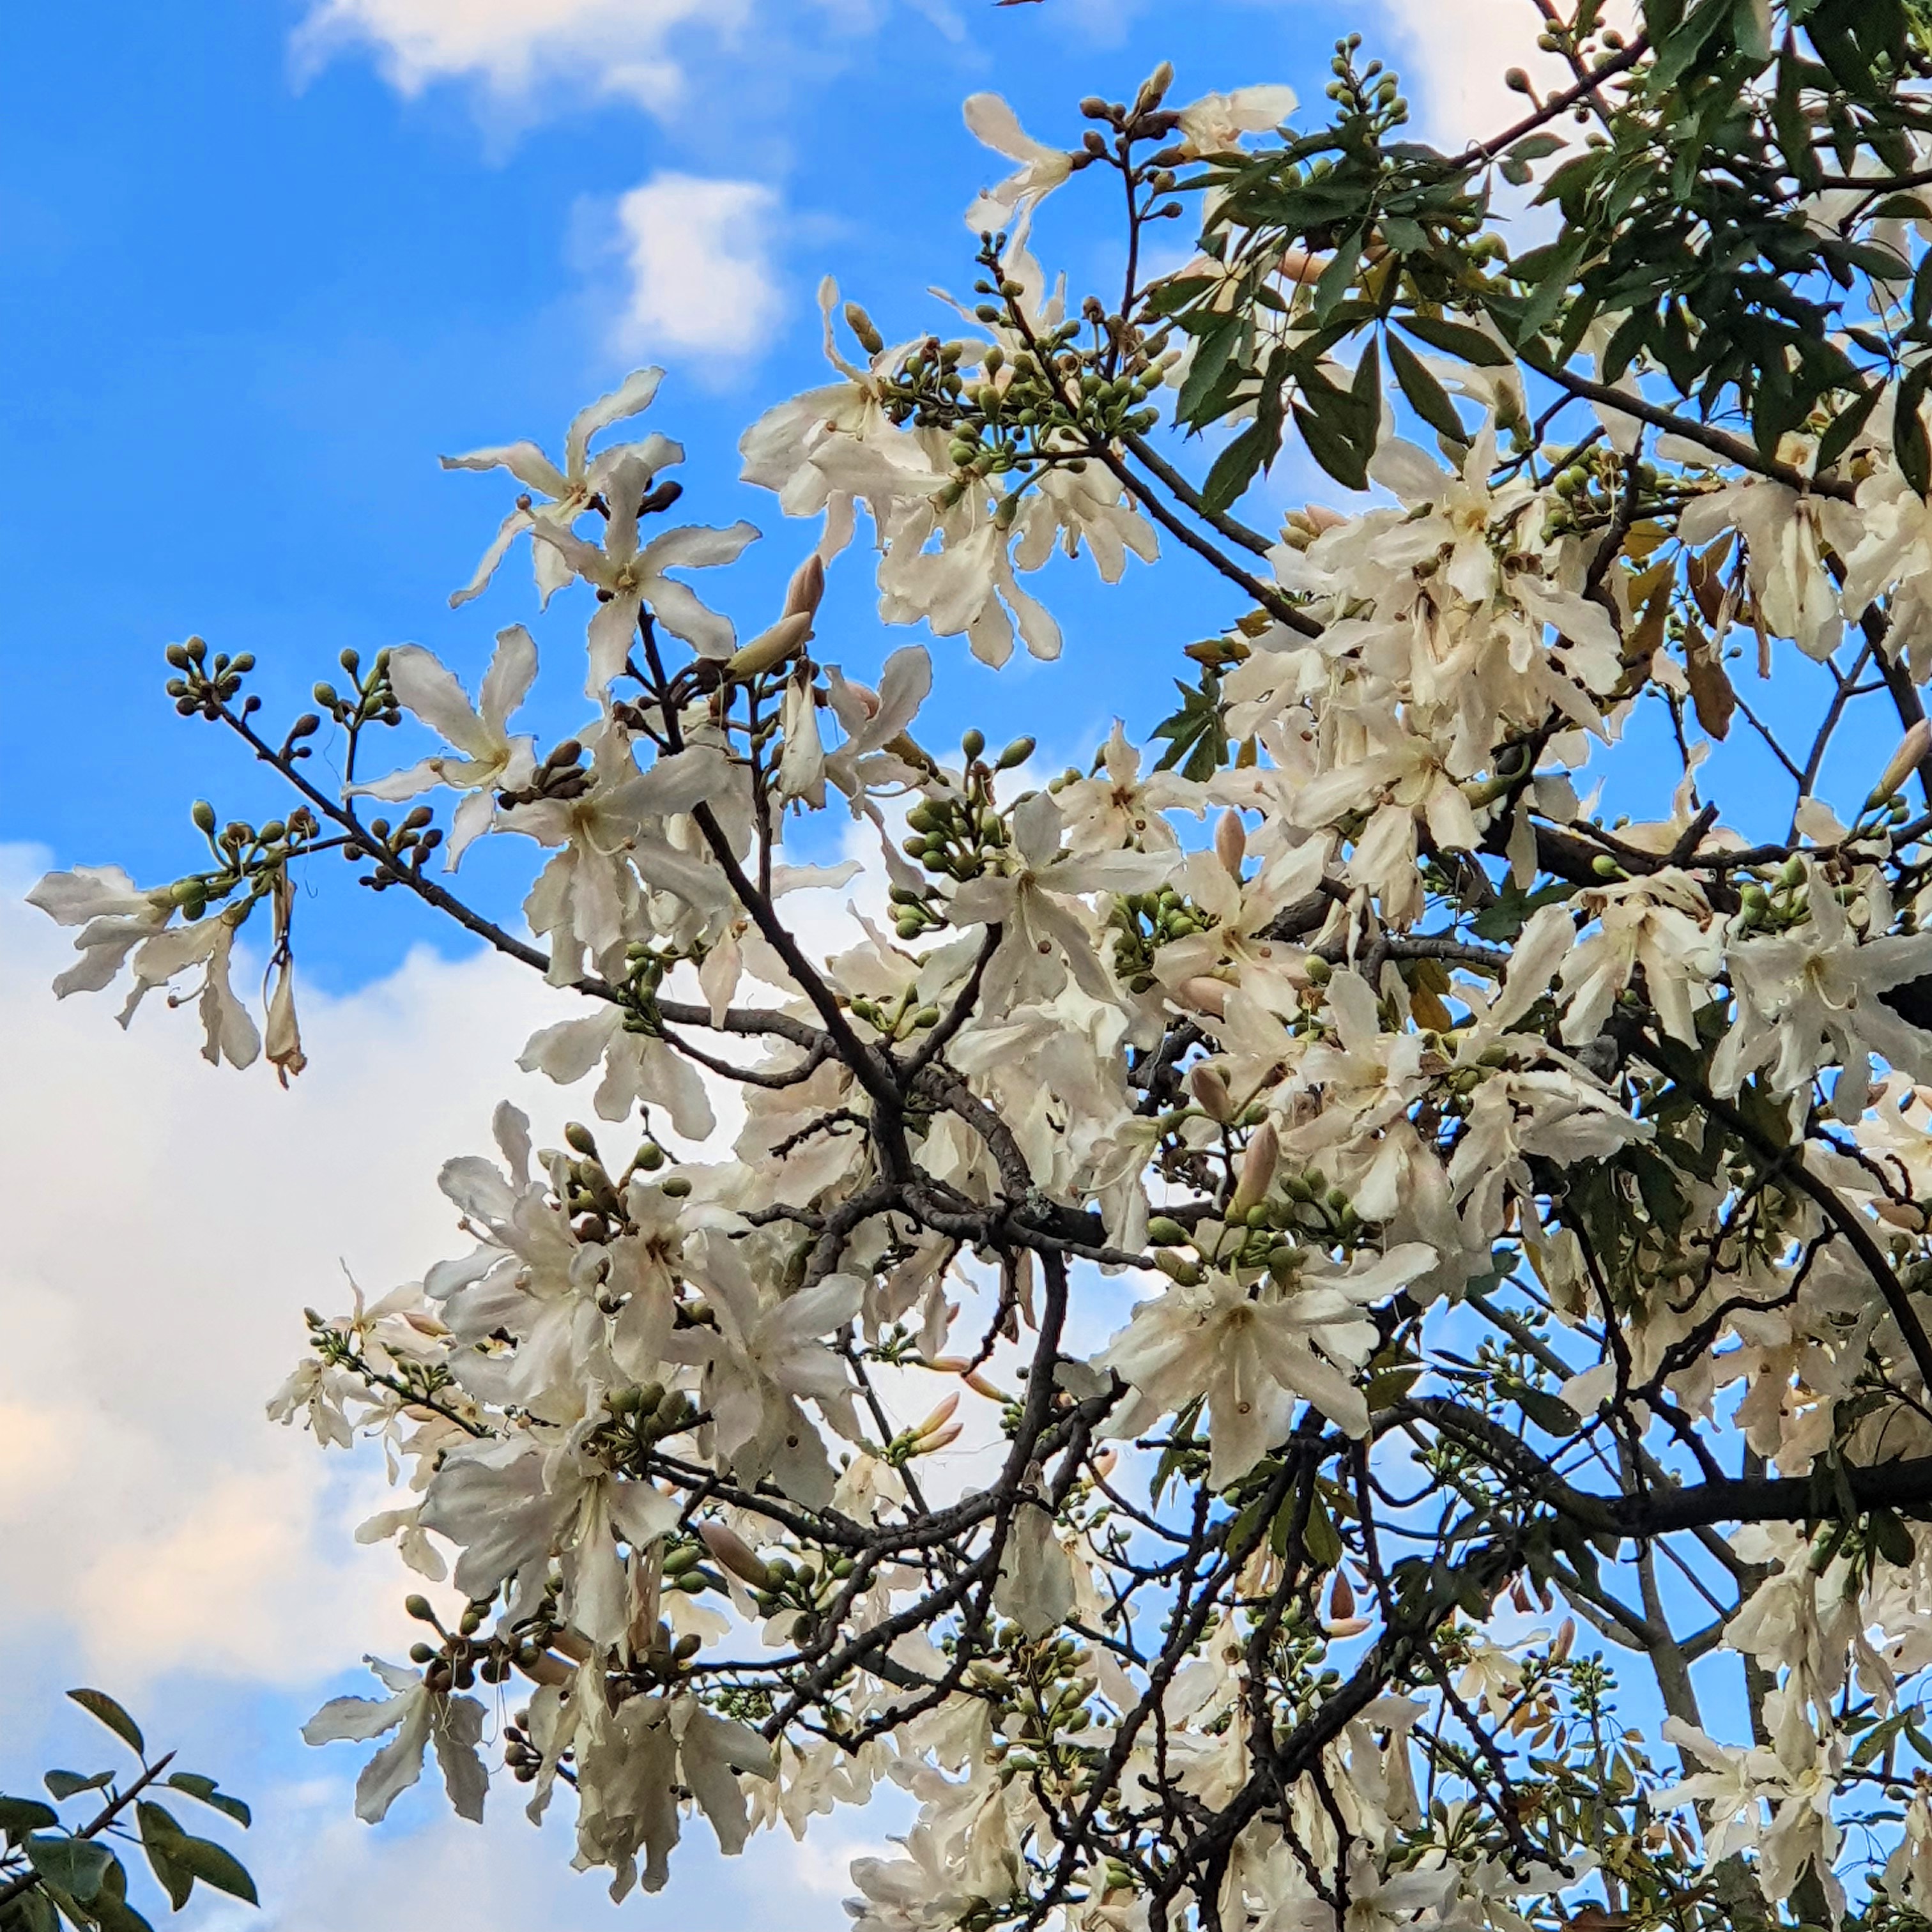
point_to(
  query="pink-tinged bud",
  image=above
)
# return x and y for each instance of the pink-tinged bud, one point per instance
(1341, 1598)
(940, 1438)
(735, 1553)
(939, 1416)
(1911, 754)
(1258, 1165)
(979, 1384)
(806, 587)
(1209, 1086)
(1231, 843)
(770, 649)
(1204, 996)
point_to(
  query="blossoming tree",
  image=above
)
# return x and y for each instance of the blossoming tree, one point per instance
(1436, 1287)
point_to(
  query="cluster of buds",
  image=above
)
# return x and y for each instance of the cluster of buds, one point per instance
(1143, 923)
(202, 686)
(959, 833)
(406, 846)
(456, 1663)
(369, 700)
(641, 1418)
(243, 854)
(562, 775)
(1039, 1693)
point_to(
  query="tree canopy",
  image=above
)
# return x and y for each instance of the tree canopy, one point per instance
(1302, 1327)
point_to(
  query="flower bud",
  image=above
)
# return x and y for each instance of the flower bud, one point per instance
(1231, 843)
(1017, 753)
(1209, 1086)
(939, 1416)
(1166, 1232)
(1912, 749)
(1205, 996)
(419, 1607)
(806, 587)
(731, 1549)
(863, 327)
(770, 649)
(202, 813)
(1257, 1174)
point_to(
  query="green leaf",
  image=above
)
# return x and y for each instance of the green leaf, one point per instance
(66, 1784)
(1457, 339)
(75, 1866)
(1537, 147)
(162, 1839)
(19, 1816)
(1320, 1539)
(1426, 396)
(98, 1704)
(1210, 360)
(1908, 440)
(1169, 297)
(1338, 276)
(116, 1915)
(1551, 1414)
(1234, 469)
(33, 1911)
(1679, 51)
(1330, 443)
(1891, 1538)
(205, 1790)
(216, 1865)
(1845, 425)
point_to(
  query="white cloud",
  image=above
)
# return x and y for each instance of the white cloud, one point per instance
(698, 256)
(162, 1225)
(513, 47)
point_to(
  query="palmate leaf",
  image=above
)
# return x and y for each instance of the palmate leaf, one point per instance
(1195, 733)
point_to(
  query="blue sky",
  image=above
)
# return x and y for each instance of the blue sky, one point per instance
(259, 265)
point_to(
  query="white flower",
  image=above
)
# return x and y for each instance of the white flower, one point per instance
(491, 760)
(634, 577)
(1255, 1351)
(115, 916)
(419, 1717)
(765, 1352)
(1215, 124)
(1045, 931)
(571, 489)
(1041, 169)
(1812, 997)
